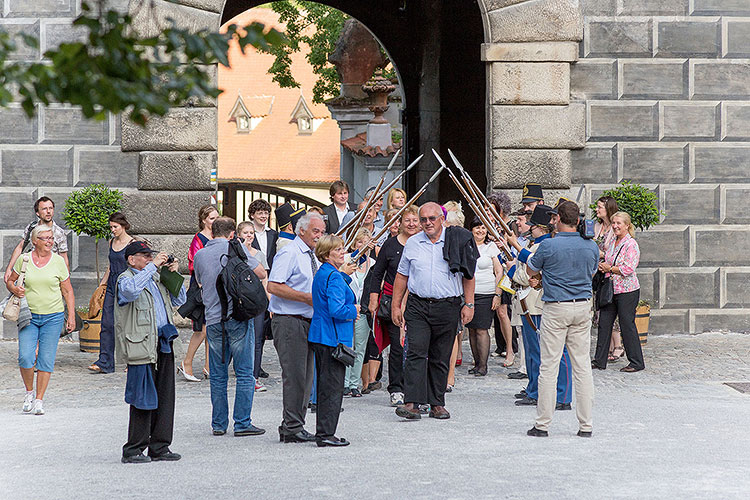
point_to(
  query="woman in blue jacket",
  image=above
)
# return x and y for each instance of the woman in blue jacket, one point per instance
(335, 309)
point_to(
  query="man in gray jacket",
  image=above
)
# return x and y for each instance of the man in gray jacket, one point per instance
(144, 331)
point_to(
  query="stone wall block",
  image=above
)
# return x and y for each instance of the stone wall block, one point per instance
(646, 79)
(537, 21)
(690, 121)
(37, 165)
(164, 212)
(598, 7)
(649, 281)
(618, 38)
(530, 51)
(698, 204)
(721, 8)
(151, 21)
(736, 121)
(552, 127)
(107, 165)
(57, 32)
(596, 163)
(41, 8)
(738, 38)
(721, 80)
(652, 8)
(512, 168)
(16, 205)
(721, 246)
(175, 171)
(721, 162)
(724, 320)
(181, 129)
(622, 120)
(668, 322)
(664, 246)
(689, 39)
(689, 288)
(736, 282)
(67, 125)
(174, 244)
(16, 127)
(530, 83)
(594, 79)
(14, 28)
(655, 163)
(737, 204)
(209, 5)
(84, 259)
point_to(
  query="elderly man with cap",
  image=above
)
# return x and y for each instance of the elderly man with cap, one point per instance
(531, 196)
(290, 286)
(541, 229)
(567, 263)
(433, 308)
(144, 331)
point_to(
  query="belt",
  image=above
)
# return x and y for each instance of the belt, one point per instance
(564, 301)
(297, 316)
(435, 301)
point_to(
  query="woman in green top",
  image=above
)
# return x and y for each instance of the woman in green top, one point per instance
(47, 284)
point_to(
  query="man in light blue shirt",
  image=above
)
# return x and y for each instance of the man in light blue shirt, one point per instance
(290, 286)
(433, 310)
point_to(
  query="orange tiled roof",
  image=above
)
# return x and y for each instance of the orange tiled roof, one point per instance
(274, 150)
(358, 145)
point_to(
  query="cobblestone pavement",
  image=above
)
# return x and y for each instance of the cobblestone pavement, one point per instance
(674, 430)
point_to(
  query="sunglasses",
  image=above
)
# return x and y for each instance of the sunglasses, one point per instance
(431, 218)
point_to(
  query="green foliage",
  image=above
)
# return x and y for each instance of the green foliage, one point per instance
(637, 201)
(87, 210)
(299, 16)
(116, 70)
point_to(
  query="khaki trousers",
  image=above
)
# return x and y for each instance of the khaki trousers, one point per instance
(565, 323)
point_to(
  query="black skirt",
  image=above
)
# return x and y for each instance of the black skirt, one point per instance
(483, 312)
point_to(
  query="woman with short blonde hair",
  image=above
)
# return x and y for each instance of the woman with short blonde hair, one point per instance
(396, 198)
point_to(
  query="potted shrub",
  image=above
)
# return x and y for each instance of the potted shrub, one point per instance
(640, 203)
(87, 212)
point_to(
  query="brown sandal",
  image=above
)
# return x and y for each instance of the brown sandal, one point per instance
(95, 368)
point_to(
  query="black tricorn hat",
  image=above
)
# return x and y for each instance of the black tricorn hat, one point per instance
(532, 192)
(284, 215)
(295, 216)
(541, 216)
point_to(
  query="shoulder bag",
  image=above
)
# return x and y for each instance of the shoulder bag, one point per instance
(605, 288)
(13, 306)
(341, 353)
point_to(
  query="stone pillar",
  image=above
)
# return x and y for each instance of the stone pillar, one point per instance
(378, 129)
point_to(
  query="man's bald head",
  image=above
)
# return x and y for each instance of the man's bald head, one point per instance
(431, 218)
(430, 208)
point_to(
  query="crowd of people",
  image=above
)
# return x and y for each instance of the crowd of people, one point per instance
(336, 304)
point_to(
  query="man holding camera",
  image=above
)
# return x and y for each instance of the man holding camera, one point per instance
(144, 331)
(566, 263)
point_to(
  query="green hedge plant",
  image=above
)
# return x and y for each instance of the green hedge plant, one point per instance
(639, 202)
(87, 212)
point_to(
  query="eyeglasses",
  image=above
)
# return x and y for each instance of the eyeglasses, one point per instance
(431, 218)
(46, 238)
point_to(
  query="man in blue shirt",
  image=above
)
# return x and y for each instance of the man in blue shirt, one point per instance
(240, 336)
(567, 263)
(433, 310)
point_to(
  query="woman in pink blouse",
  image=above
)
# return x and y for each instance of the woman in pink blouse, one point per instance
(620, 261)
(606, 207)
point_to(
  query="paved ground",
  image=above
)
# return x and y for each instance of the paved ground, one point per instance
(672, 431)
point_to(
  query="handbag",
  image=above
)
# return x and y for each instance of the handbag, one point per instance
(605, 288)
(384, 308)
(13, 306)
(341, 353)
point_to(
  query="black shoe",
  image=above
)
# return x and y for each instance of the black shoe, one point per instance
(355, 394)
(526, 401)
(250, 431)
(218, 432)
(472, 371)
(584, 434)
(301, 437)
(262, 373)
(480, 372)
(563, 406)
(594, 366)
(374, 386)
(537, 432)
(332, 441)
(408, 413)
(348, 393)
(136, 459)
(167, 457)
(630, 369)
(517, 376)
(521, 394)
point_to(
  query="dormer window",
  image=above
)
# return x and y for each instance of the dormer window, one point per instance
(243, 124)
(302, 115)
(303, 125)
(247, 113)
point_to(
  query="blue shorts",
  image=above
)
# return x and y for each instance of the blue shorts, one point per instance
(44, 329)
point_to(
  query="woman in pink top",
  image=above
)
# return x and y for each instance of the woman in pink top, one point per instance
(620, 262)
(606, 207)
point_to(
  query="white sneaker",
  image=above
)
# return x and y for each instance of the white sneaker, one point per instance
(259, 387)
(28, 401)
(397, 399)
(38, 408)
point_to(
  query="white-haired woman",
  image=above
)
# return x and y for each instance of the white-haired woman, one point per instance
(46, 285)
(620, 262)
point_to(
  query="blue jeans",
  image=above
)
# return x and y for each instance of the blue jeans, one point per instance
(240, 347)
(44, 329)
(532, 356)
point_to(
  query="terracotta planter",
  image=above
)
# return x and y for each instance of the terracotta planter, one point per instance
(642, 316)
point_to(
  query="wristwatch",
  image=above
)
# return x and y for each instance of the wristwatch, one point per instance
(470, 305)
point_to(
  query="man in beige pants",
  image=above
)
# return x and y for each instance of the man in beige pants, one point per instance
(566, 263)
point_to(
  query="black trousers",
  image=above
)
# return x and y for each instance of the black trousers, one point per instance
(499, 339)
(153, 429)
(431, 327)
(395, 358)
(622, 307)
(330, 375)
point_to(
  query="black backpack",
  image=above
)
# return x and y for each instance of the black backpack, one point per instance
(237, 281)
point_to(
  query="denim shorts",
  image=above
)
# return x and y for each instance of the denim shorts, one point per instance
(44, 329)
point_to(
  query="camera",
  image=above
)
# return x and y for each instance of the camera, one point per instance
(170, 259)
(586, 227)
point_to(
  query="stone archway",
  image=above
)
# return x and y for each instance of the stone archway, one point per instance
(520, 125)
